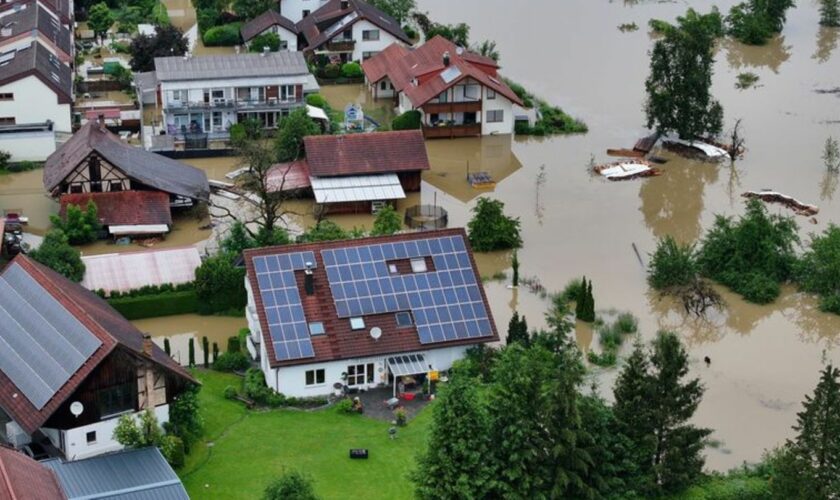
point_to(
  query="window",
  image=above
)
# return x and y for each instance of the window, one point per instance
(491, 94)
(418, 265)
(115, 186)
(117, 399)
(7, 120)
(316, 328)
(315, 377)
(495, 116)
(383, 85)
(7, 97)
(91, 437)
(360, 374)
(368, 55)
(284, 45)
(357, 323)
(404, 319)
(287, 93)
(370, 35)
(392, 268)
(306, 12)
(180, 96)
(75, 188)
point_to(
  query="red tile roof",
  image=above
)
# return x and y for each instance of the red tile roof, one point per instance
(111, 328)
(264, 21)
(289, 176)
(124, 207)
(425, 63)
(315, 26)
(340, 342)
(371, 153)
(22, 478)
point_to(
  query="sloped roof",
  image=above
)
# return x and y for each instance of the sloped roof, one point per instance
(424, 65)
(32, 17)
(316, 27)
(123, 207)
(22, 478)
(369, 153)
(251, 65)
(110, 328)
(36, 60)
(138, 474)
(264, 21)
(149, 168)
(126, 271)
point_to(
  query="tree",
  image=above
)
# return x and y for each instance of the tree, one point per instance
(755, 21)
(410, 120)
(290, 486)
(490, 229)
(398, 9)
(653, 405)
(518, 330)
(166, 348)
(737, 141)
(289, 141)
(79, 226)
(167, 41)
(487, 48)
(100, 18)
(267, 39)
(672, 265)
(191, 345)
(830, 13)
(585, 302)
(387, 221)
(831, 155)
(237, 240)
(145, 431)
(56, 253)
(459, 34)
(220, 285)
(818, 270)
(185, 419)
(678, 88)
(205, 348)
(249, 9)
(324, 230)
(456, 462)
(514, 263)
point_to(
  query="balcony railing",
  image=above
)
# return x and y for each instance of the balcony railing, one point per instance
(452, 107)
(341, 46)
(234, 104)
(450, 131)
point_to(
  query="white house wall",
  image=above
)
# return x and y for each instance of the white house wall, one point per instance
(293, 9)
(28, 146)
(499, 103)
(34, 102)
(373, 46)
(196, 88)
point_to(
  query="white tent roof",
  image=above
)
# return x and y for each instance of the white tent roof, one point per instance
(357, 188)
(128, 271)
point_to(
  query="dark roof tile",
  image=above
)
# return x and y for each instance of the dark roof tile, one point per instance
(265, 21)
(124, 207)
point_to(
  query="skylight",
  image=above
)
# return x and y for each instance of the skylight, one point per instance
(357, 323)
(450, 74)
(418, 265)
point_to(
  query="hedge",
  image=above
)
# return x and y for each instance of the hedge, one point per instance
(226, 35)
(152, 306)
(410, 120)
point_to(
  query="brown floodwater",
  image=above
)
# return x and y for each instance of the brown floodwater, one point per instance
(183, 327)
(764, 358)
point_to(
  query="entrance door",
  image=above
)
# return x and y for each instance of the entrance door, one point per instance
(360, 374)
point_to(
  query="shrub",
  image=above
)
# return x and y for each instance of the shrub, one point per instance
(331, 71)
(21, 166)
(571, 292)
(387, 221)
(172, 449)
(231, 361)
(226, 35)
(610, 336)
(153, 306)
(627, 323)
(316, 100)
(490, 229)
(290, 486)
(344, 405)
(267, 39)
(219, 285)
(758, 288)
(5, 156)
(410, 32)
(410, 120)
(818, 271)
(351, 70)
(401, 417)
(672, 264)
(80, 226)
(325, 230)
(56, 253)
(234, 345)
(606, 358)
(230, 392)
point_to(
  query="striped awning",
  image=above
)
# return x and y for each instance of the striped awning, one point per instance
(357, 188)
(407, 364)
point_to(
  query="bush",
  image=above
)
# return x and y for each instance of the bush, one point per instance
(21, 166)
(627, 323)
(410, 120)
(610, 336)
(331, 71)
(351, 70)
(172, 449)
(606, 358)
(56, 253)
(758, 288)
(226, 35)
(410, 32)
(234, 345)
(80, 226)
(571, 292)
(267, 39)
(401, 417)
(153, 306)
(5, 156)
(387, 221)
(345, 405)
(490, 229)
(230, 392)
(231, 362)
(290, 486)
(818, 271)
(316, 100)
(672, 264)
(219, 285)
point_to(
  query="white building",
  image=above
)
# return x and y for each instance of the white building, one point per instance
(458, 93)
(351, 30)
(209, 94)
(298, 9)
(364, 313)
(271, 21)
(71, 365)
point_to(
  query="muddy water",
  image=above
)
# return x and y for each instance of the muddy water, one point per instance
(764, 358)
(181, 328)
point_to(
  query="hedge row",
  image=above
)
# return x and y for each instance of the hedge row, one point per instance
(152, 306)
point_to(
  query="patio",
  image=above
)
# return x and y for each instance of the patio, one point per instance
(375, 404)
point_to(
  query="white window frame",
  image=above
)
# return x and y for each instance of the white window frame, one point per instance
(289, 91)
(361, 374)
(491, 94)
(181, 96)
(495, 112)
(367, 35)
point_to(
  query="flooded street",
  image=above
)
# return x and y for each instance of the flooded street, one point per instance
(764, 358)
(181, 328)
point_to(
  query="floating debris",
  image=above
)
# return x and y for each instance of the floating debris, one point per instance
(797, 206)
(702, 149)
(626, 153)
(626, 169)
(481, 180)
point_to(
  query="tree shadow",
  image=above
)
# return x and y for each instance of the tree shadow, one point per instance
(826, 43)
(771, 55)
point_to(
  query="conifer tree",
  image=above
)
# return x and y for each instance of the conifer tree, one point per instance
(518, 330)
(830, 13)
(581, 300)
(205, 347)
(191, 358)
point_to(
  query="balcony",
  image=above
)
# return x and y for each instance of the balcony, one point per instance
(234, 105)
(452, 107)
(452, 131)
(340, 46)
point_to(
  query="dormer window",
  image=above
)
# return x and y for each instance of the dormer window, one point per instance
(418, 265)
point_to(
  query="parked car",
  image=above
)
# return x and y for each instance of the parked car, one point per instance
(36, 451)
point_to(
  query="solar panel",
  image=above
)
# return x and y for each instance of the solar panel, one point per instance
(41, 344)
(281, 301)
(446, 303)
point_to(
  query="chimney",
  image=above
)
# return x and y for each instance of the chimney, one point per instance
(345, 4)
(308, 280)
(266, 50)
(446, 58)
(101, 119)
(147, 345)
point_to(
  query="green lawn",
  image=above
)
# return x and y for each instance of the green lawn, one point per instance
(250, 448)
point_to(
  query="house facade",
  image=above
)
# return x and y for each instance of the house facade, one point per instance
(349, 30)
(202, 97)
(271, 21)
(73, 365)
(458, 93)
(364, 313)
(298, 9)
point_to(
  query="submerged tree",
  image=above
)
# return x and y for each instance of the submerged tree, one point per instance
(679, 86)
(830, 13)
(831, 155)
(490, 229)
(388, 221)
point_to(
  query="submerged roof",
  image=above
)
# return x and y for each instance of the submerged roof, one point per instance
(129, 208)
(422, 75)
(23, 478)
(139, 474)
(369, 153)
(132, 270)
(265, 21)
(149, 168)
(251, 65)
(36, 60)
(374, 279)
(325, 23)
(67, 329)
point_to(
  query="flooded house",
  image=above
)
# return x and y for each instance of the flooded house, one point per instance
(364, 313)
(348, 30)
(134, 190)
(457, 92)
(71, 365)
(271, 21)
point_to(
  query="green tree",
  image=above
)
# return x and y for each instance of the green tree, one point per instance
(388, 221)
(410, 120)
(514, 264)
(185, 419)
(56, 253)
(755, 21)
(237, 240)
(830, 13)
(672, 264)
(267, 39)
(324, 230)
(191, 346)
(220, 285)
(818, 271)
(249, 9)
(145, 431)
(679, 86)
(291, 485)
(166, 348)
(455, 464)
(167, 41)
(518, 330)
(487, 48)
(79, 226)
(490, 229)
(205, 348)
(585, 302)
(100, 18)
(289, 141)
(398, 9)
(459, 34)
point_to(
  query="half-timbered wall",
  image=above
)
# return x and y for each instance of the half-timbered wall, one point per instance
(96, 175)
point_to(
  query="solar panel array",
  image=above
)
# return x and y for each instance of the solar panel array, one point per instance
(41, 344)
(281, 302)
(446, 303)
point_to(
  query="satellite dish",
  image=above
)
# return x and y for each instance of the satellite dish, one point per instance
(76, 408)
(376, 332)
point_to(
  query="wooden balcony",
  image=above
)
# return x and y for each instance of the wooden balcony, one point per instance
(452, 107)
(452, 131)
(341, 46)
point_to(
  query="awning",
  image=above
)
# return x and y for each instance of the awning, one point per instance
(407, 364)
(139, 229)
(316, 113)
(357, 188)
